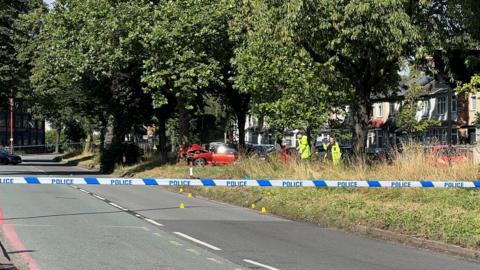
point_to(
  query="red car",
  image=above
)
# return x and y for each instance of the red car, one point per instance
(438, 155)
(199, 156)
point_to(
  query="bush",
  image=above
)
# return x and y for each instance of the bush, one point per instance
(51, 137)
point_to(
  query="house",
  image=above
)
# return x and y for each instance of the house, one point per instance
(383, 129)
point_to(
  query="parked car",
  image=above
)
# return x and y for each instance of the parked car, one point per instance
(260, 150)
(438, 155)
(218, 155)
(7, 158)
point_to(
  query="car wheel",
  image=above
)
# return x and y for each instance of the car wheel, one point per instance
(200, 162)
(5, 161)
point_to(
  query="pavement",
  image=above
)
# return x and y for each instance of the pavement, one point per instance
(141, 227)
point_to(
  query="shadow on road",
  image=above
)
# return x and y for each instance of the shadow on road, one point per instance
(21, 251)
(98, 213)
(51, 173)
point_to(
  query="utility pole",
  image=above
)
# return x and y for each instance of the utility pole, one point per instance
(11, 120)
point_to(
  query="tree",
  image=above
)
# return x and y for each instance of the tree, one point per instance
(13, 73)
(364, 41)
(189, 56)
(353, 49)
(89, 55)
(407, 119)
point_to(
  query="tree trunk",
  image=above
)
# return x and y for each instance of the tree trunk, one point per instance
(162, 139)
(361, 109)
(310, 138)
(103, 130)
(88, 143)
(184, 122)
(241, 118)
(57, 140)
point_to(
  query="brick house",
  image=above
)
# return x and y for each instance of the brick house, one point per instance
(383, 131)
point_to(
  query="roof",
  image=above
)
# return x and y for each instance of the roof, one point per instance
(431, 87)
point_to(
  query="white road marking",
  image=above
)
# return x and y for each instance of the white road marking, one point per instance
(214, 260)
(197, 241)
(153, 222)
(260, 264)
(84, 191)
(157, 234)
(126, 227)
(193, 251)
(98, 197)
(175, 243)
(118, 206)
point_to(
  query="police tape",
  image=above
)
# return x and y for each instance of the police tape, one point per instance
(208, 182)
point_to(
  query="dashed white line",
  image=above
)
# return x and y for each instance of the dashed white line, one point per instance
(260, 264)
(126, 227)
(84, 191)
(157, 234)
(175, 243)
(214, 260)
(118, 206)
(153, 222)
(197, 241)
(193, 251)
(98, 197)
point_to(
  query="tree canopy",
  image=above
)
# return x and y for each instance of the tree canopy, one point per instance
(121, 65)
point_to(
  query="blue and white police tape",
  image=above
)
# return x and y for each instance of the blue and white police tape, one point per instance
(207, 182)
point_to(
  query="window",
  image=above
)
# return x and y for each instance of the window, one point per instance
(379, 134)
(454, 103)
(454, 136)
(392, 108)
(441, 105)
(473, 102)
(379, 110)
(425, 107)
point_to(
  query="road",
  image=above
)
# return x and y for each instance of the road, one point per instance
(137, 227)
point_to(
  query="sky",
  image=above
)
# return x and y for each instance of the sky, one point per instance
(49, 2)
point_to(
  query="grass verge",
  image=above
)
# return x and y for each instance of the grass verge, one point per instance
(83, 159)
(448, 215)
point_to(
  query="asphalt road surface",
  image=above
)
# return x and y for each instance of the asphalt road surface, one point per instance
(138, 227)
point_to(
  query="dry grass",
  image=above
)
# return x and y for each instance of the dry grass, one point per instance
(412, 164)
(83, 159)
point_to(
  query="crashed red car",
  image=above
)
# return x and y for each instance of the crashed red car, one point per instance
(218, 155)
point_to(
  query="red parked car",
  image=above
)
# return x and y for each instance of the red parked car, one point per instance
(199, 156)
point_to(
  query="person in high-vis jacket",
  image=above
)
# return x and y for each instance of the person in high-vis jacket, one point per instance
(303, 146)
(334, 153)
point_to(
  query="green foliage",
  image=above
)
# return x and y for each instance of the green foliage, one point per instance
(182, 46)
(74, 132)
(287, 87)
(471, 87)
(51, 137)
(298, 56)
(406, 118)
(298, 61)
(13, 35)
